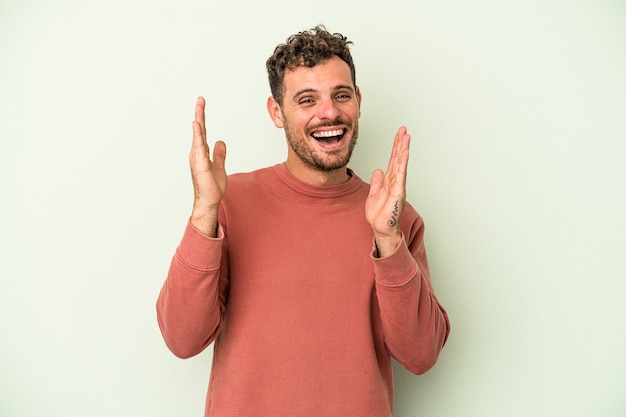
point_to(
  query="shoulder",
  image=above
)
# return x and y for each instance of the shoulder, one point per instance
(412, 223)
(242, 179)
(244, 188)
(411, 213)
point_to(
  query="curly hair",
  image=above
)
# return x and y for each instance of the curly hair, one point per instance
(308, 49)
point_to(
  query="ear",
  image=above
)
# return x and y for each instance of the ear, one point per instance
(359, 98)
(276, 113)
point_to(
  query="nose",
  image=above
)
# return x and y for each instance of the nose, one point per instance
(328, 110)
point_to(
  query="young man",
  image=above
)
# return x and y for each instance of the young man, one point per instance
(306, 279)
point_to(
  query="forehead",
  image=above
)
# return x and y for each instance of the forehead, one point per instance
(326, 75)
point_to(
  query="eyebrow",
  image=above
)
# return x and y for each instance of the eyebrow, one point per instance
(312, 90)
(344, 87)
(305, 91)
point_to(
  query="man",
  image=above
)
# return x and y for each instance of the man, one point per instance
(307, 279)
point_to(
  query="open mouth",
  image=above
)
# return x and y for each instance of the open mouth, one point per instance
(329, 136)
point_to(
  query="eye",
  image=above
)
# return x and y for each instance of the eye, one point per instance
(306, 101)
(343, 97)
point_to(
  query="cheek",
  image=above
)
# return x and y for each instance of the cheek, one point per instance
(302, 123)
(353, 111)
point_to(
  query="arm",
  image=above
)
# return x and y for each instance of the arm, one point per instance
(415, 325)
(191, 301)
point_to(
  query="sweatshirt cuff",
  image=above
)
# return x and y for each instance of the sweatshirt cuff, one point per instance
(200, 251)
(396, 269)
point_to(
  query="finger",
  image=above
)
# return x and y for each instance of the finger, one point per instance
(403, 153)
(396, 150)
(199, 129)
(394, 155)
(219, 154)
(198, 126)
(199, 115)
(401, 142)
(403, 162)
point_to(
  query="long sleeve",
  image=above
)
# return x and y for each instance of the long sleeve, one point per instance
(302, 321)
(190, 305)
(415, 325)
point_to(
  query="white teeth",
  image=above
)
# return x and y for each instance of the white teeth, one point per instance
(328, 134)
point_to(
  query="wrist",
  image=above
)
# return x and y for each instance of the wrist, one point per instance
(387, 244)
(205, 221)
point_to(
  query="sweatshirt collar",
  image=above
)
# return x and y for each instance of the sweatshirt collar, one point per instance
(353, 184)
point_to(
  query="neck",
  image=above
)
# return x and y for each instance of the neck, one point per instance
(318, 178)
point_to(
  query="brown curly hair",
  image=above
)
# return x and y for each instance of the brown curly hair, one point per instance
(307, 48)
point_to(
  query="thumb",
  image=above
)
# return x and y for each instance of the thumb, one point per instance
(219, 154)
(376, 182)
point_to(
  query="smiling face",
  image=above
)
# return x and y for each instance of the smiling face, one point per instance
(320, 113)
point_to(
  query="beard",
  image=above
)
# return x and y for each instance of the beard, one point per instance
(317, 159)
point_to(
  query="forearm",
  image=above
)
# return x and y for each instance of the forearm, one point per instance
(190, 304)
(414, 323)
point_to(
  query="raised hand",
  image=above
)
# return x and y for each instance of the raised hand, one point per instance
(209, 176)
(385, 202)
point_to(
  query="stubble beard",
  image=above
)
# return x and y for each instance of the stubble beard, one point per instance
(327, 161)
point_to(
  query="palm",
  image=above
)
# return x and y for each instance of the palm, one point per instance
(209, 176)
(385, 202)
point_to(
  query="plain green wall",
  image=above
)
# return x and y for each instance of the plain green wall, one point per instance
(517, 110)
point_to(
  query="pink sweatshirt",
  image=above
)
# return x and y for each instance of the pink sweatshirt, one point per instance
(304, 319)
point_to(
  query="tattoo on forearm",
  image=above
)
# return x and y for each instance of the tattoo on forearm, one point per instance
(394, 216)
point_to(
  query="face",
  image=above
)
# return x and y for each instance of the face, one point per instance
(320, 113)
